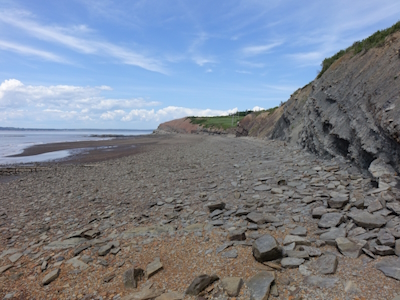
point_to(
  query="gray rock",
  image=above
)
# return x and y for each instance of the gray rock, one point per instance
(321, 282)
(171, 296)
(383, 250)
(386, 239)
(104, 249)
(394, 207)
(53, 275)
(230, 254)
(291, 262)
(232, 285)
(299, 230)
(216, 213)
(5, 268)
(153, 267)
(76, 263)
(237, 235)
(329, 220)
(266, 248)
(216, 205)
(374, 206)
(318, 212)
(378, 168)
(396, 248)
(69, 243)
(200, 283)
(262, 188)
(259, 285)
(367, 220)
(311, 251)
(297, 254)
(298, 240)
(256, 218)
(132, 276)
(390, 267)
(151, 230)
(13, 258)
(331, 236)
(339, 201)
(350, 248)
(242, 212)
(326, 264)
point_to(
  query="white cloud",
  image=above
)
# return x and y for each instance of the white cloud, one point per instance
(260, 49)
(86, 44)
(209, 70)
(257, 108)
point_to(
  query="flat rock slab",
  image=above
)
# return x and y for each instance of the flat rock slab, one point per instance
(151, 230)
(13, 258)
(53, 275)
(255, 217)
(331, 236)
(145, 294)
(232, 285)
(153, 267)
(237, 235)
(216, 205)
(194, 227)
(350, 248)
(326, 264)
(291, 262)
(76, 263)
(299, 230)
(321, 282)
(200, 283)
(330, 220)
(298, 240)
(266, 248)
(69, 243)
(367, 220)
(171, 296)
(230, 254)
(260, 284)
(262, 188)
(390, 267)
(5, 268)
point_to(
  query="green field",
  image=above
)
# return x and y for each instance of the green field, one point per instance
(225, 122)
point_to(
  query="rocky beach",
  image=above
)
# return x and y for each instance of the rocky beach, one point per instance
(200, 217)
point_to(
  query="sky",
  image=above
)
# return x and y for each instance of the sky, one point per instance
(130, 64)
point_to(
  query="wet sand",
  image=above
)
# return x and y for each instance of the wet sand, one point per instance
(95, 151)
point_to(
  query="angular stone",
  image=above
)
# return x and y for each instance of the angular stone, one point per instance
(318, 212)
(5, 268)
(76, 263)
(331, 236)
(326, 264)
(339, 201)
(216, 213)
(194, 227)
(259, 285)
(367, 220)
(53, 275)
(374, 206)
(153, 267)
(291, 262)
(298, 240)
(386, 239)
(132, 276)
(145, 294)
(276, 191)
(390, 267)
(216, 205)
(69, 243)
(311, 251)
(237, 235)
(256, 218)
(230, 254)
(232, 285)
(396, 248)
(349, 248)
(329, 220)
(321, 282)
(104, 249)
(394, 207)
(242, 212)
(299, 230)
(297, 254)
(13, 258)
(266, 248)
(383, 250)
(262, 188)
(79, 249)
(200, 283)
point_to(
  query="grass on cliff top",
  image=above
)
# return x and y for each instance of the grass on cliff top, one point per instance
(375, 40)
(225, 122)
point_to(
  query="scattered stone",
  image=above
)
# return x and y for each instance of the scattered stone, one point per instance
(153, 267)
(5, 268)
(53, 275)
(390, 267)
(76, 263)
(214, 206)
(232, 285)
(256, 218)
(132, 276)
(259, 285)
(200, 283)
(291, 262)
(298, 240)
(299, 230)
(329, 220)
(105, 249)
(109, 277)
(326, 264)
(331, 236)
(230, 254)
(367, 220)
(349, 248)
(266, 248)
(262, 188)
(321, 282)
(383, 250)
(237, 235)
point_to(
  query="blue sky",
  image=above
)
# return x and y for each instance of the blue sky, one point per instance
(133, 64)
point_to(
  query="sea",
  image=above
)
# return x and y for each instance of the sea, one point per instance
(14, 142)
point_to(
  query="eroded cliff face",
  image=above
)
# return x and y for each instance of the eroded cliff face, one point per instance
(353, 109)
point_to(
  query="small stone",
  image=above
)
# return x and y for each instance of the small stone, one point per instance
(5, 268)
(230, 254)
(331, 236)
(321, 282)
(104, 249)
(109, 277)
(132, 276)
(349, 248)
(326, 264)
(260, 284)
(329, 220)
(299, 230)
(384, 250)
(266, 248)
(153, 267)
(256, 218)
(13, 258)
(276, 191)
(200, 283)
(232, 285)
(291, 262)
(237, 235)
(214, 206)
(351, 288)
(298, 240)
(53, 275)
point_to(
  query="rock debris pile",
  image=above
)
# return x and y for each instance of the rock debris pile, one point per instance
(216, 218)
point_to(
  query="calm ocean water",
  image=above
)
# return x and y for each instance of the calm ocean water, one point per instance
(15, 141)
